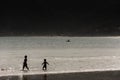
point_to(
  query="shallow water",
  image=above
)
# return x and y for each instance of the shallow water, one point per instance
(81, 54)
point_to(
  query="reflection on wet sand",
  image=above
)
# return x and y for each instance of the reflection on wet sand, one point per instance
(44, 77)
(37, 77)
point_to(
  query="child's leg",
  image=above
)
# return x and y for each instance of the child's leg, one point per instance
(23, 67)
(44, 67)
(27, 67)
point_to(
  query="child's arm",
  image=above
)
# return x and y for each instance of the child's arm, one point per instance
(47, 63)
(42, 63)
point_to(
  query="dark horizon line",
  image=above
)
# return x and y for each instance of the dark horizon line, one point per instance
(59, 35)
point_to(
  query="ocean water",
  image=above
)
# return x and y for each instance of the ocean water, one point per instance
(80, 54)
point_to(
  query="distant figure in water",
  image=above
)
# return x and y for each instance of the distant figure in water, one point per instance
(45, 64)
(25, 63)
(68, 40)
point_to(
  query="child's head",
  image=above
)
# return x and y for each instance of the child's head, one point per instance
(25, 56)
(44, 59)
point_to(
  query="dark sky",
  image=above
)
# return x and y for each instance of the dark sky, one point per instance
(60, 17)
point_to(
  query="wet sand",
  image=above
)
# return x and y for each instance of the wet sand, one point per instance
(97, 75)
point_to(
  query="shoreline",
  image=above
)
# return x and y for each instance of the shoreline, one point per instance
(90, 75)
(29, 73)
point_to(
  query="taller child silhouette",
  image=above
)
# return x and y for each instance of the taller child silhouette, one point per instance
(25, 63)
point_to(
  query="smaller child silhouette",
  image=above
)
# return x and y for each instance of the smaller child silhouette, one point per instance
(45, 64)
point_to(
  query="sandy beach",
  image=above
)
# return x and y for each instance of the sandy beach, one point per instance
(97, 75)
